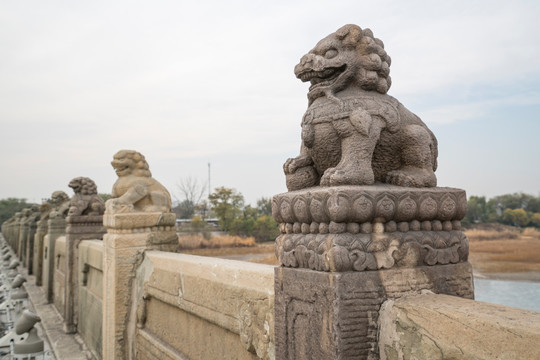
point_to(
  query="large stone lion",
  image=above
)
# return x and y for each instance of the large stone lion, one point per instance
(353, 133)
(136, 190)
(86, 200)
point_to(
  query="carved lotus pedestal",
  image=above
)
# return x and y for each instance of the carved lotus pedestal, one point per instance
(128, 236)
(345, 250)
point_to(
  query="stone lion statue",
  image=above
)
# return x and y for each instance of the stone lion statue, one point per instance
(353, 133)
(60, 202)
(86, 200)
(136, 190)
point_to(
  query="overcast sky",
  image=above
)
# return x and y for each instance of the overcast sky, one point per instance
(192, 83)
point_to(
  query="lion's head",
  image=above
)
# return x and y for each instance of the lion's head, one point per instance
(45, 208)
(83, 186)
(128, 162)
(347, 57)
(58, 198)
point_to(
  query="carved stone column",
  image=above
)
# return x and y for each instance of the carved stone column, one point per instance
(128, 236)
(344, 250)
(21, 243)
(41, 232)
(85, 227)
(29, 248)
(57, 228)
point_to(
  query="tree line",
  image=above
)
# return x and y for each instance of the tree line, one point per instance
(517, 209)
(228, 206)
(237, 218)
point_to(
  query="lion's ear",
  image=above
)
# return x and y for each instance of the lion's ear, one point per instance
(349, 35)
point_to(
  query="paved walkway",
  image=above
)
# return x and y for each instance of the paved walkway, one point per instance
(64, 346)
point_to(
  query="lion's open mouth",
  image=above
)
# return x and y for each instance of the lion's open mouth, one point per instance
(120, 167)
(321, 78)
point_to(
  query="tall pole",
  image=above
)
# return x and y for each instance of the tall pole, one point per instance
(209, 187)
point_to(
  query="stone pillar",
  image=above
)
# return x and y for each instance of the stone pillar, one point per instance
(57, 228)
(41, 231)
(21, 242)
(344, 250)
(29, 257)
(128, 236)
(84, 227)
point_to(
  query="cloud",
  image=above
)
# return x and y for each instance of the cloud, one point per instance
(191, 82)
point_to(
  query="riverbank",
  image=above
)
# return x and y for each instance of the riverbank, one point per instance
(500, 252)
(497, 252)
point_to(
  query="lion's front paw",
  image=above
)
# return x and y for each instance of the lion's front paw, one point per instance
(412, 177)
(293, 164)
(326, 179)
(303, 177)
(115, 206)
(351, 175)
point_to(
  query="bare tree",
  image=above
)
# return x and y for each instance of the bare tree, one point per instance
(189, 195)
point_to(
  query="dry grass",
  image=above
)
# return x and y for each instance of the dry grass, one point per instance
(531, 232)
(504, 250)
(490, 234)
(191, 242)
(493, 248)
(269, 260)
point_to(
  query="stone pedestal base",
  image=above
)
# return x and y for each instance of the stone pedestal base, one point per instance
(128, 236)
(357, 228)
(328, 315)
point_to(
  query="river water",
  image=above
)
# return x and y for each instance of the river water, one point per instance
(520, 294)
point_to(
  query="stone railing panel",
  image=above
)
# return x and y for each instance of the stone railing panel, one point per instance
(431, 326)
(59, 270)
(205, 308)
(90, 290)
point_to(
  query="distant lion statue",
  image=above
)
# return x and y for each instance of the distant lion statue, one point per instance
(86, 200)
(60, 203)
(353, 133)
(136, 190)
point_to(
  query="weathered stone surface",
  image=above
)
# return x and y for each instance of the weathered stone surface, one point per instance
(90, 290)
(323, 315)
(24, 228)
(128, 236)
(430, 326)
(56, 229)
(353, 133)
(60, 202)
(205, 308)
(136, 190)
(63, 346)
(356, 228)
(59, 270)
(31, 224)
(41, 231)
(86, 200)
(362, 196)
(79, 228)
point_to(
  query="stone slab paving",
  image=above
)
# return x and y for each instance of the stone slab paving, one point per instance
(63, 346)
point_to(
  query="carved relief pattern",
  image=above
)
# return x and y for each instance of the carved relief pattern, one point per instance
(357, 228)
(256, 332)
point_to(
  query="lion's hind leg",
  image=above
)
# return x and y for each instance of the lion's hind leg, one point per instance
(417, 159)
